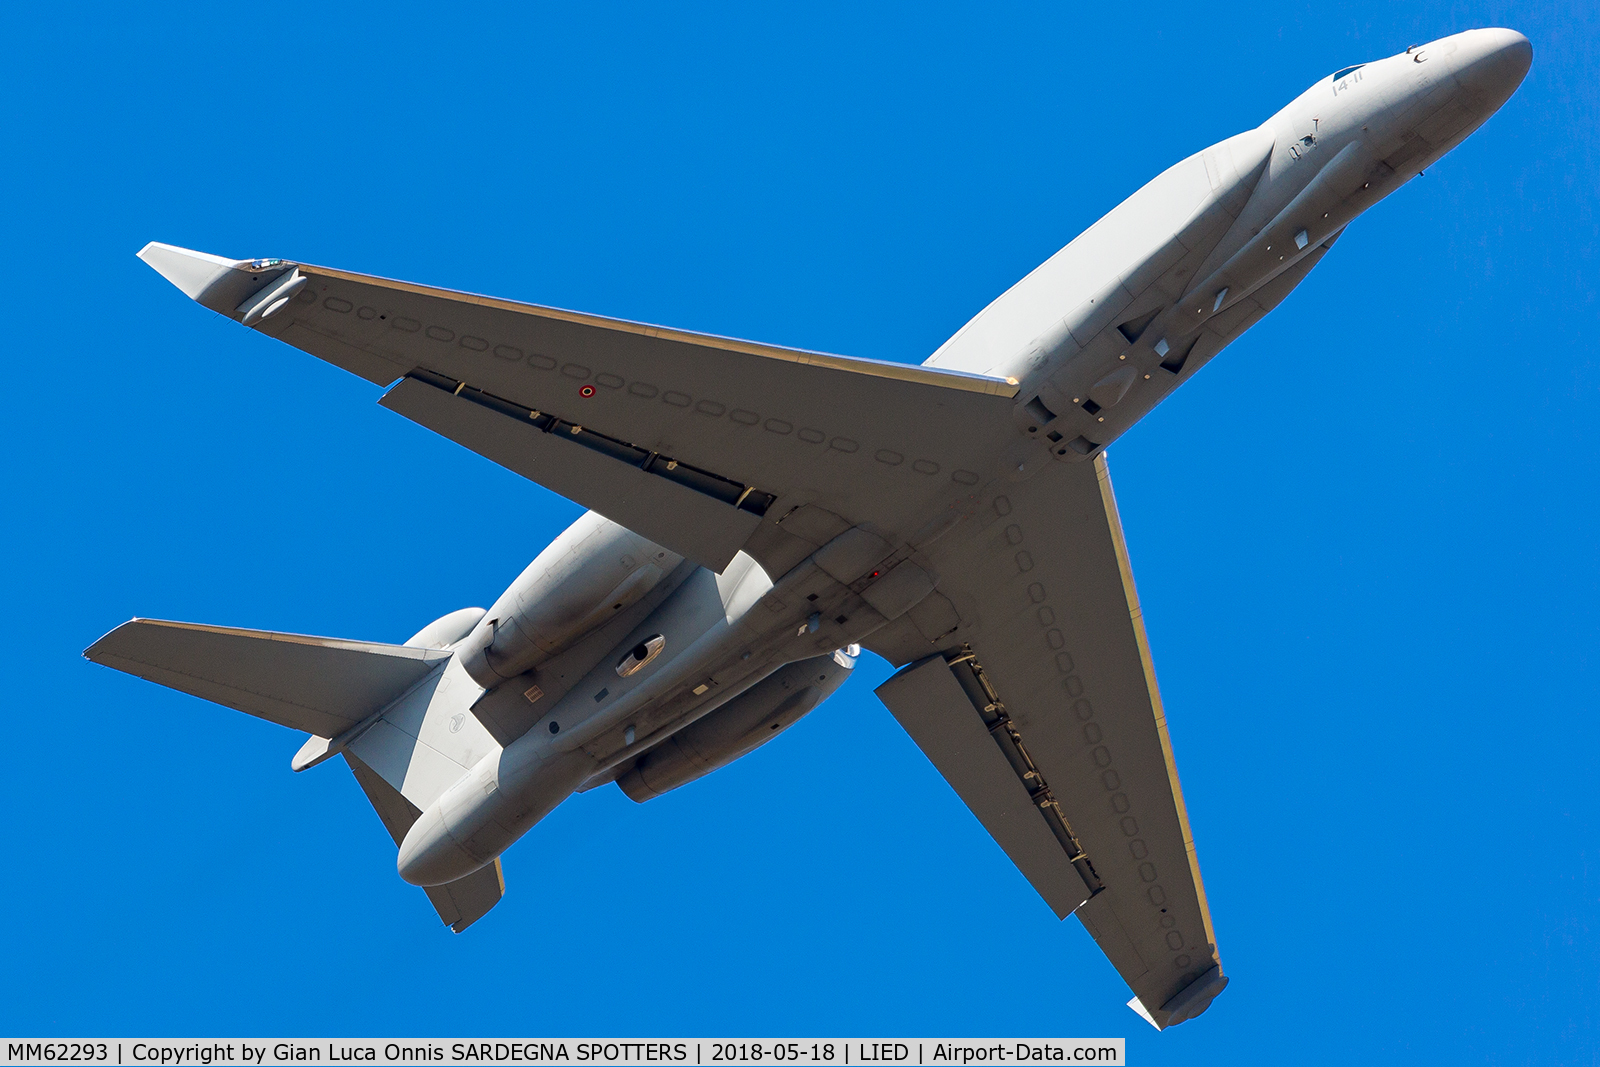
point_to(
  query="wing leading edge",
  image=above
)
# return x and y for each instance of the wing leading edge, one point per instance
(1042, 712)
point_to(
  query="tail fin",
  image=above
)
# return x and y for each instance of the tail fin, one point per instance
(320, 685)
(460, 903)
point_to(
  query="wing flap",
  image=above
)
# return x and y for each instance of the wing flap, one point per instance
(934, 709)
(320, 685)
(704, 527)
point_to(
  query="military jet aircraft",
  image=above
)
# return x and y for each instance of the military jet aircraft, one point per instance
(757, 513)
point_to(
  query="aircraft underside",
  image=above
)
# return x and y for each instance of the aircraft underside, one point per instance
(759, 515)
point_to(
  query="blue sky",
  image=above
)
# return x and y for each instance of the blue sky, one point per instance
(1364, 536)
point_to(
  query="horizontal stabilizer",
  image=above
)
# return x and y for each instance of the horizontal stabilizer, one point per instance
(321, 685)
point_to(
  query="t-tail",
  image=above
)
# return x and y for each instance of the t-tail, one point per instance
(390, 702)
(609, 658)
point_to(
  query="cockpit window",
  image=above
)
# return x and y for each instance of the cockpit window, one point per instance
(1347, 70)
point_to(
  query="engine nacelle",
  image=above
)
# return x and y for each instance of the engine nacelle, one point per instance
(740, 726)
(585, 577)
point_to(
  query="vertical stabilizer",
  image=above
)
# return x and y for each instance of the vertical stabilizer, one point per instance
(460, 903)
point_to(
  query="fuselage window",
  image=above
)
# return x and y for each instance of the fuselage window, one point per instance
(1348, 70)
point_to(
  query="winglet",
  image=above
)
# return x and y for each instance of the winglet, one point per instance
(223, 285)
(1144, 1013)
(193, 272)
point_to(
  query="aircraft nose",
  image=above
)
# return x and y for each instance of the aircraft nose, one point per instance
(1492, 63)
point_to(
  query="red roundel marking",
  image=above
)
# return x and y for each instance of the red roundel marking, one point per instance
(586, 391)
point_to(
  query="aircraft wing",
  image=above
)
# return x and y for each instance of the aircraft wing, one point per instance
(1042, 712)
(688, 439)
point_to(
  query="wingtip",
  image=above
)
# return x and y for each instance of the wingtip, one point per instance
(192, 272)
(1144, 1013)
(1193, 999)
(90, 653)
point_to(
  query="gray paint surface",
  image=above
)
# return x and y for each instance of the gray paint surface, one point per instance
(934, 710)
(957, 516)
(317, 684)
